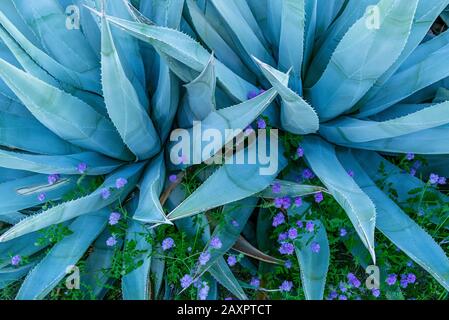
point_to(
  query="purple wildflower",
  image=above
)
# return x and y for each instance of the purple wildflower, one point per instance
(168, 243)
(310, 226)
(41, 197)
(287, 202)
(286, 286)
(342, 297)
(282, 236)
(278, 202)
(15, 261)
(413, 172)
(248, 130)
(112, 241)
(343, 232)
(409, 263)
(376, 293)
(278, 219)
(333, 295)
(411, 278)
(82, 167)
(319, 197)
(433, 179)
(288, 264)
(441, 180)
(298, 201)
(353, 280)
(186, 281)
(300, 224)
(120, 183)
(261, 124)
(203, 291)
(343, 287)
(308, 174)
(114, 218)
(173, 178)
(232, 260)
(300, 152)
(204, 258)
(105, 193)
(292, 233)
(255, 282)
(391, 279)
(404, 281)
(215, 243)
(410, 156)
(315, 247)
(287, 248)
(53, 178)
(276, 188)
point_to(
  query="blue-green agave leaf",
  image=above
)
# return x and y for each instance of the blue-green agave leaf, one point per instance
(53, 267)
(322, 158)
(75, 121)
(398, 227)
(290, 189)
(297, 116)
(72, 209)
(150, 209)
(124, 108)
(345, 73)
(313, 265)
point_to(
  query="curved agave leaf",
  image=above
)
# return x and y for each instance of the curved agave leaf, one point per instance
(328, 11)
(94, 280)
(248, 43)
(313, 266)
(124, 108)
(28, 134)
(429, 71)
(150, 209)
(290, 189)
(9, 174)
(235, 216)
(75, 208)
(429, 141)
(67, 164)
(52, 268)
(182, 48)
(10, 275)
(244, 246)
(199, 100)
(215, 42)
(361, 211)
(136, 284)
(12, 217)
(47, 20)
(297, 116)
(347, 130)
(23, 192)
(346, 74)
(239, 180)
(221, 272)
(229, 121)
(84, 127)
(309, 37)
(398, 227)
(291, 43)
(24, 49)
(24, 246)
(426, 13)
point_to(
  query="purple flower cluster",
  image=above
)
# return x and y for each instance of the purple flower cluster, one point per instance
(407, 279)
(15, 261)
(287, 248)
(286, 286)
(276, 188)
(282, 202)
(310, 226)
(168, 243)
(105, 193)
(173, 178)
(308, 174)
(114, 218)
(120, 183)
(41, 197)
(82, 167)
(391, 279)
(292, 233)
(203, 291)
(298, 201)
(343, 232)
(352, 279)
(186, 281)
(53, 178)
(319, 197)
(315, 247)
(215, 243)
(111, 241)
(300, 152)
(255, 282)
(232, 261)
(204, 258)
(261, 124)
(278, 219)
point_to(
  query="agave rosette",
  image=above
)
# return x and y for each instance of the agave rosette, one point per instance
(102, 100)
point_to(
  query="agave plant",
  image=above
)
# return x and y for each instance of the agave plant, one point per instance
(91, 108)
